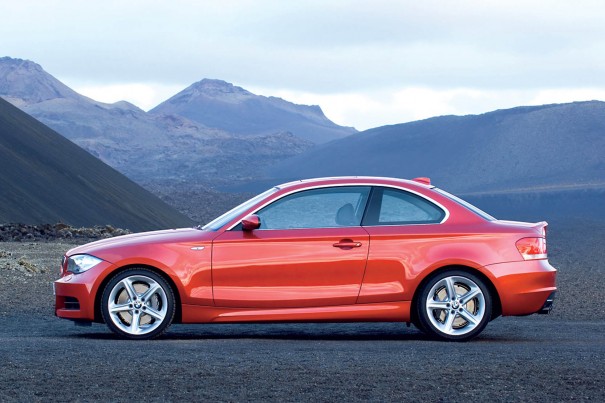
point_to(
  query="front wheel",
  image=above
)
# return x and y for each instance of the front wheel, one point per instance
(138, 304)
(454, 305)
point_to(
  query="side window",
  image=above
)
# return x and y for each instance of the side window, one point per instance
(318, 208)
(397, 207)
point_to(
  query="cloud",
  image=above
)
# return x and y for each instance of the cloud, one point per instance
(145, 96)
(366, 63)
(564, 95)
(317, 46)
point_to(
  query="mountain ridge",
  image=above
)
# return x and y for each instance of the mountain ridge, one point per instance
(503, 149)
(521, 147)
(28, 83)
(216, 103)
(122, 135)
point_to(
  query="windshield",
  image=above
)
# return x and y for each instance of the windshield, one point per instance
(466, 204)
(234, 212)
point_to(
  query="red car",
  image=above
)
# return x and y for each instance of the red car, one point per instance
(348, 249)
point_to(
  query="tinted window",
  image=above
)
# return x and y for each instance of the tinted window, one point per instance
(317, 208)
(394, 207)
(467, 205)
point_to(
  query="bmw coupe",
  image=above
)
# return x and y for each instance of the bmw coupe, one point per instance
(348, 249)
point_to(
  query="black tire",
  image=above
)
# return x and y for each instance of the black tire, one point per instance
(460, 318)
(138, 304)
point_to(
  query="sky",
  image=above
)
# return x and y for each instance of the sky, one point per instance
(366, 63)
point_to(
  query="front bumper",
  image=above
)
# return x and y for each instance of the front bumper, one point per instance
(75, 293)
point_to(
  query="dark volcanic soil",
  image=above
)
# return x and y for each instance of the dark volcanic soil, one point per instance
(528, 359)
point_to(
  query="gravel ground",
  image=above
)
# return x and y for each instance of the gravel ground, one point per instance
(519, 359)
(538, 358)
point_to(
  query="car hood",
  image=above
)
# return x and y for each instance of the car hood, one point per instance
(152, 237)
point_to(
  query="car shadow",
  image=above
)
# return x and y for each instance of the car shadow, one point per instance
(331, 332)
(300, 336)
(300, 332)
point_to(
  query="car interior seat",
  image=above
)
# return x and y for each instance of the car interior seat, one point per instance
(345, 215)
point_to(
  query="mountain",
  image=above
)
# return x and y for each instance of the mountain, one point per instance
(163, 146)
(24, 83)
(119, 134)
(45, 178)
(545, 146)
(218, 104)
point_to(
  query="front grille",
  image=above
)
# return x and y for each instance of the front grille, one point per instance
(72, 304)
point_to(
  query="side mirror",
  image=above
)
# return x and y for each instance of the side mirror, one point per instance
(251, 222)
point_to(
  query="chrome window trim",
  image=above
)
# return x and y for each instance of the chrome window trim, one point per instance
(441, 206)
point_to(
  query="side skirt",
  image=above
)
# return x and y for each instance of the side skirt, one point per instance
(377, 312)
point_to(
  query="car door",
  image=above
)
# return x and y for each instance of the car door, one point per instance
(309, 251)
(403, 228)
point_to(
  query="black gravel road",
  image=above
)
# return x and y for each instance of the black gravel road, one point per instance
(536, 358)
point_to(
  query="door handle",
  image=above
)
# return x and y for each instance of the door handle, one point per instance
(345, 243)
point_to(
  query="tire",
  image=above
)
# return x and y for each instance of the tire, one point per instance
(453, 305)
(138, 304)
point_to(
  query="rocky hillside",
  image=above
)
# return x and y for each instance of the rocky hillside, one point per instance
(547, 146)
(12, 232)
(218, 104)
(46, 178)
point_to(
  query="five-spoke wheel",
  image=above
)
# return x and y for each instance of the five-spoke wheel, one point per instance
(138, 304)
(454, 305)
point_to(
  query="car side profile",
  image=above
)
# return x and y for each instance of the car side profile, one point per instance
(346, 249)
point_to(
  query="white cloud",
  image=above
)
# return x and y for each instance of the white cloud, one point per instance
(145, 96)
(315, 46)
(564, 95)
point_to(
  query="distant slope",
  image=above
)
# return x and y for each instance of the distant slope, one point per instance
(550, 145)
(582, 205)
(45, 178)
(219, 104)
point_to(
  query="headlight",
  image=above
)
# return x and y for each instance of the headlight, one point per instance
(80, 263)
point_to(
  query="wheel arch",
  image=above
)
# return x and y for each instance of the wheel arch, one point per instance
(177, 295)
(496, 303)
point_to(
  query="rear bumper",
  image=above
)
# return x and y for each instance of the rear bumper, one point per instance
(525, 287)
(547, 307)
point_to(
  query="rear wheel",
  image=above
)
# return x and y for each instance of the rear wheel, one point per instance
(454, 305)
(138, 304)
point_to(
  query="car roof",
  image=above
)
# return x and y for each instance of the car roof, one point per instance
(354, 180)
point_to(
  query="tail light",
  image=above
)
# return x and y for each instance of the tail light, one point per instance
(532, 248)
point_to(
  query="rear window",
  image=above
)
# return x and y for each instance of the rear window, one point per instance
(465, 204)
(397, 207)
